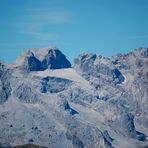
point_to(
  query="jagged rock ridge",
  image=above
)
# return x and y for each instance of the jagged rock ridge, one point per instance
(100, 102)
(34, 60)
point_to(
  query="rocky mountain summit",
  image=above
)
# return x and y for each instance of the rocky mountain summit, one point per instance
(42, 59)
(98, 102)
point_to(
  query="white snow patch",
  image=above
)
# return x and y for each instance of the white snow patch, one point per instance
(67, 73)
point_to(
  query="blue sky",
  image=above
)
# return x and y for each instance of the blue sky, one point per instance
(104, 27)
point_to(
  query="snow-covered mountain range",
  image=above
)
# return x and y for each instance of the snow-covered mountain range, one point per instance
(97, 103)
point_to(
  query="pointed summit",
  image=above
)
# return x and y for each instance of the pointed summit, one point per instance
(38, 59)
(40, 53)
(55, 59)
(28, 62)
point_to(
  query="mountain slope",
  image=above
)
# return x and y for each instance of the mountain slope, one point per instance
(100, 102)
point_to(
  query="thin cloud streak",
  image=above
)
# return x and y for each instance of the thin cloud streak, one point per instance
(36, 20)
(48, 17)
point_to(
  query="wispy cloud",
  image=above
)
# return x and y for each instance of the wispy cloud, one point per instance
(42, 36)
(35, 21)
(50, 16)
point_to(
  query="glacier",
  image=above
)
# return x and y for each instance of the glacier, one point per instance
(98, 102)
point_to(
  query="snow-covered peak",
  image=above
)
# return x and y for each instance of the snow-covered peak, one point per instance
(21, 59)
(136, 53)
(55, 59)
(87, 56)
(39, 59)
(28, 62)
(40, 53)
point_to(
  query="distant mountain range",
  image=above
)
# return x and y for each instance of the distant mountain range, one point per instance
(98, 102)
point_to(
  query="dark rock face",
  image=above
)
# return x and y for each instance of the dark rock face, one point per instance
(54, 84)
(55, 60)
(107, 138)
(140, 136)
(66, 105)
(127, 123)
(5, 89)
(30, 62)
(34, 64)
(68, 108)
(91, 65)
(117, 75)
(85, 62)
